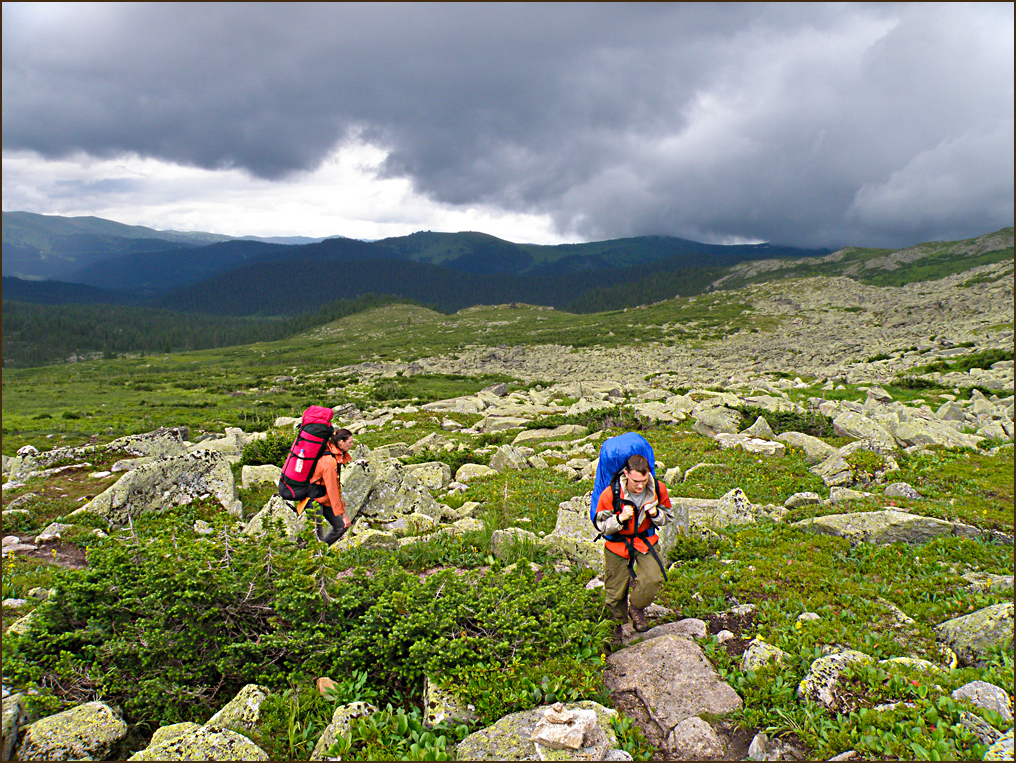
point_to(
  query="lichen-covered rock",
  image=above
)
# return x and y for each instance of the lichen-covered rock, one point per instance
(259, 475)
(694, 739)
(815, 450)
(168, 482)
(673, 678)
(434, 475)
(243, 712)
(160, 443)
(509, 738)
(713, 420)
(201, 743)
(987, 696)
(13, 716)
(882, 527)
(397, 492)
(901, 490)
(689, 627)
(276, 509)
(760, 653)
(565, 431)
(834, 470)
(440, 705)
(822, 680)
(1002, 749)
(760, 429)
(229, 446)
(85, 732)
(508, 458)
(860, 427)
(802, 499)
(733, 507)
(367, 539)
(973, 635)
(342, 719)
(22, 625)
(469, 472)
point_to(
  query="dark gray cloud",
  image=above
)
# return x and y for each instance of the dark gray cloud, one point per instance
(802, 124)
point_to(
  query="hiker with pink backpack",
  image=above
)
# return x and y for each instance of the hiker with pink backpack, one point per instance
(312, 472)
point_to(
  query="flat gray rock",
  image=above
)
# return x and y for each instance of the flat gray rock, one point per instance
(882, 527)
(673, 678)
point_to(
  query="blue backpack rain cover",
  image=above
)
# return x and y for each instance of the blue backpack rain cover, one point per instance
(614, 454)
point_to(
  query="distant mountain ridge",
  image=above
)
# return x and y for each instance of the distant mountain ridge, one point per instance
(53, 246)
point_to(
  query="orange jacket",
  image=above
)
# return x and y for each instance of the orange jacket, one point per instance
(327, 473)
(661, 502)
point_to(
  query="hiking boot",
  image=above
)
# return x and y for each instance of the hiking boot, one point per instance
(638, 619)
(334, 534)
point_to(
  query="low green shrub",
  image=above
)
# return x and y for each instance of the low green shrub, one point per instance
(809, 422)
(272, 450)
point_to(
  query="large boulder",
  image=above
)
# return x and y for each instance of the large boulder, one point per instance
(433, 475)
(884, 527)
(574, 535)
(860, 427)
(673, 678)
(173, 481)
(13, 717)
(85, 732)
(915, 431)
(397, 492)
(972, 636)
(188, 741)
(711, 421)
(161, 443)
(508, 458)
(565, 431)
(511, 737)
(230, 445)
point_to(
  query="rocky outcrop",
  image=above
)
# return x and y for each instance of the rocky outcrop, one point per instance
(172, 481)
(276, 510)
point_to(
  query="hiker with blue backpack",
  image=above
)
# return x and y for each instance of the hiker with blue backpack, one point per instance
(628, 505)
(312, 472)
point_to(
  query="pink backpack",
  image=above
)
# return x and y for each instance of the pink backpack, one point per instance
(310, 444)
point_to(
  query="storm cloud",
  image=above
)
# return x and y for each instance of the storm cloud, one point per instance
(813, 125)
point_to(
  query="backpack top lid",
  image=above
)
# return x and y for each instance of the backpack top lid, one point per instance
(614, 454)
(317, 414)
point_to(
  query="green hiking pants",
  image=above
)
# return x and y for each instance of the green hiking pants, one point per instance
(621, 590)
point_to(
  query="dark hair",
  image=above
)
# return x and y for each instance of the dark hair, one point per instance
(638, 463)
(339, 435)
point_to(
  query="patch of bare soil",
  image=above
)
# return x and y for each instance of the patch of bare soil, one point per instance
(741, 626)
(62, 554)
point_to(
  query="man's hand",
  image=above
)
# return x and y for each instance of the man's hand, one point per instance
(653, 512)
(625, 514)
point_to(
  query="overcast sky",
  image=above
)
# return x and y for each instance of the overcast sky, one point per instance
(811, 125)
